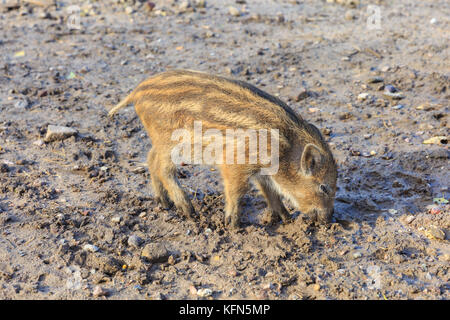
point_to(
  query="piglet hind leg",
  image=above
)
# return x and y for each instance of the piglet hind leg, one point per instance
(161, 195)
(167, 172)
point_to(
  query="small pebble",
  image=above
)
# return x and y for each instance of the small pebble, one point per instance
(99, 292)
(410, 219)
(268, 285)
(155, 253)
(90, 248)
(234, 12)
(390, 88)
(375, 80)
(436, 233)
(116, 219)
(58, 133)
(143, 214)
(435, 210)
(363, 96)
(280, 17)
(39, 142)
(200, 3)
(204, 293)
(326, 131)
(302, 95)
(138, 170)
(350, 15)
(134, 241)
(392, 211)
(193, 290)
(436, 140)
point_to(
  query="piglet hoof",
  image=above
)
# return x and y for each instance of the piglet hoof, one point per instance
(287, 220)
(285, 217)
(270, 218)
(233, 223)
(164, 202)
(187, 211)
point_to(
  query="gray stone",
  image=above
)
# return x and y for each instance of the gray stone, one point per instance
(375, 80)
(90, 248)
(134, 241)
(394, 96)
(59, 133)
(155, 253)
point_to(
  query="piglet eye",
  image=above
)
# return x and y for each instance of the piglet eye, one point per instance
(324, 189)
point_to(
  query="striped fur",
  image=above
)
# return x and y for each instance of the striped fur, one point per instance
(176, 98)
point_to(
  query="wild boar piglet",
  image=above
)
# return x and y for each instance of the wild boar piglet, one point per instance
(251, 136)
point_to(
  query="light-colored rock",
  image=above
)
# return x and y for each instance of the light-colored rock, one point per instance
(184, 6)
(90, 248)
(234, 12)
(375, 80)
(58, 133)
(200, 3)
(363, 96)
(394, 95)
(410, 219)
(39, 142)
(116, 219)
(99, 292)
(350, 15)
(204, 292)
(436, 140)
(129, 10)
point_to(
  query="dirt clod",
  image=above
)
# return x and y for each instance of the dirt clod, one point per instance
(155, 253)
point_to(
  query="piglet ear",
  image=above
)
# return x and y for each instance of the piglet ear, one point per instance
(312, 159)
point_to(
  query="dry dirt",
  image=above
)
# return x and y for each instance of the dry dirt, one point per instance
(388, 239)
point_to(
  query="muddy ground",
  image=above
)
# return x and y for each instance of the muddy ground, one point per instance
(76, 215)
